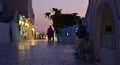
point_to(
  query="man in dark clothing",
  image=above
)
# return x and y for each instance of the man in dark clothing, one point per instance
(80, 34)
(81, 30)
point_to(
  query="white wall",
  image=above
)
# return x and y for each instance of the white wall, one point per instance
(4, 32)
(15, 31)
(91, 15)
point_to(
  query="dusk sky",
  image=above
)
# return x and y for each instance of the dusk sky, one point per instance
(68, 6)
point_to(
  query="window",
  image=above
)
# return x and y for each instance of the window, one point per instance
(108, 28)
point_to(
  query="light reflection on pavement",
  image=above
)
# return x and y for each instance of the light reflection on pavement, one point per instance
(37, 53)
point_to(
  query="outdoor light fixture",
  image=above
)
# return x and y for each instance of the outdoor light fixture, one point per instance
(33, 29)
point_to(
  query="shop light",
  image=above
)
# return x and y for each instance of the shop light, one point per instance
(28, 18)
(32, 42)
(27, 24)
(33, 29)
(20, 22)
(23, 16)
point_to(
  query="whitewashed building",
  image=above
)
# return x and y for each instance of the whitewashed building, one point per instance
(10, 22)
(103, 18)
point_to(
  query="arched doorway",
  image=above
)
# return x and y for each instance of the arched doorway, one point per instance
(105, 35)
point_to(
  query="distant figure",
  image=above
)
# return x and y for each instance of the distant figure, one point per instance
(42, 35)
(50, 33)
(24, 35)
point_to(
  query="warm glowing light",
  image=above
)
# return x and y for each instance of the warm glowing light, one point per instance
(27, 24)
(27, 45)
(33, 42)
(33, 29)
(24, 45)
(37, 33)
(20, 22)
(23, 16)
(28, 18)
(21, 46)
(46, 38)
(55, 38)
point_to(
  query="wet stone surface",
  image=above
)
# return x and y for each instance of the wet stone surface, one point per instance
(38, 53)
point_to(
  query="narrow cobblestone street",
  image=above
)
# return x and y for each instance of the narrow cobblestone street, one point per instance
(38, 53)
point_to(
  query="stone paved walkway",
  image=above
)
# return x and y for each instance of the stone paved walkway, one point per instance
(38, 53)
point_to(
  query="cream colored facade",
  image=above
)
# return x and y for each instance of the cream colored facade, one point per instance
(26, 28)
(103, 18)
(10, 10)
(31, 32)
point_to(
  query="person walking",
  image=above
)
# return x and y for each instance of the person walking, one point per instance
(50, 33)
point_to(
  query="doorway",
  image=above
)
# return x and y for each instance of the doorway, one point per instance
(105, 35)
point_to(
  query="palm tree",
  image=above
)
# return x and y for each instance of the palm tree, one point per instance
(74, 14)
(62, 20)
(47, 14)
(56, 11)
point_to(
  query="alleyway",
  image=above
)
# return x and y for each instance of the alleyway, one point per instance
(38, 53)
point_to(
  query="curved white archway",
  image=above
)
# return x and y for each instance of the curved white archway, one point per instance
(104, 32)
